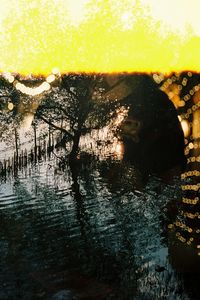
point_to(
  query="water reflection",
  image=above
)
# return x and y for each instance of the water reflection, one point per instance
(76, 226)
(97, 226)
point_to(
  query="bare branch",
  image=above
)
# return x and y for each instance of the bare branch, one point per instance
(59, 107)
(56, 127)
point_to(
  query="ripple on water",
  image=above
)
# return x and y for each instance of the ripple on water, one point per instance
(49, 224)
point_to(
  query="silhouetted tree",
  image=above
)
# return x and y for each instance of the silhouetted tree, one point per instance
(76, 107)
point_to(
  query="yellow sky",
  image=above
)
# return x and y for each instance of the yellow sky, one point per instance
(99, 36)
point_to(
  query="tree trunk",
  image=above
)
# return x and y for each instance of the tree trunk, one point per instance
(49, 136)
(75, 147)
(35, 142)
(80, 209)
(16, 146)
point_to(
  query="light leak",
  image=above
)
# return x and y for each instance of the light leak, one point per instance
(99, 36)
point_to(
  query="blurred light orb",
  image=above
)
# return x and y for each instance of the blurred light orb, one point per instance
(50, 78)
(55, 71)
(10, 105)
(191, 146)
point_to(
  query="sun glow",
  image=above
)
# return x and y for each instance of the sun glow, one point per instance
(99, 36)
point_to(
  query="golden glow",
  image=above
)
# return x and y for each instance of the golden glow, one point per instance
(173, 93)
(99, 36)
(190, 173)
(186, 128)
(193, 159)
(196, 123)
(118, 149)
